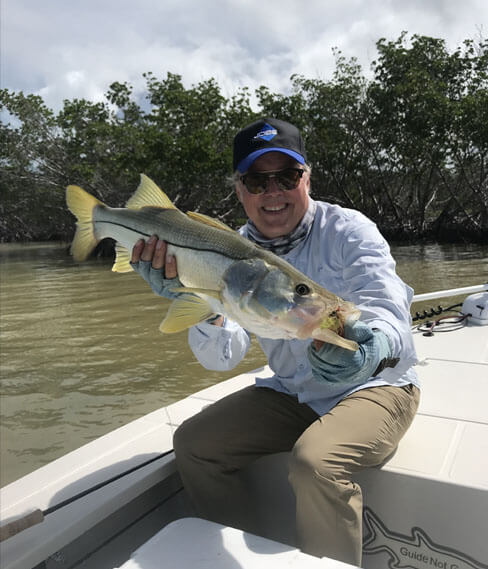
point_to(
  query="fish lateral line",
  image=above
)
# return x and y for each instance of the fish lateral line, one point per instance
(181, 246)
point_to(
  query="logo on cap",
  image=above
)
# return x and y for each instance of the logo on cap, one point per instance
(266, 133)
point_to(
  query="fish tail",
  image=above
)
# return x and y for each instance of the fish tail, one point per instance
(82, 205)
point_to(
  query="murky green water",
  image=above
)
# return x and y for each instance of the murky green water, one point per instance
(81, 353)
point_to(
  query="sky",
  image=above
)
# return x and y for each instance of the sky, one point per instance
(66, 49)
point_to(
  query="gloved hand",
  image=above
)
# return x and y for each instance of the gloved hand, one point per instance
(156, 279)
(333, 364)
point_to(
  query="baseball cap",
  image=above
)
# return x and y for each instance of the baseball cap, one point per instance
(267, 135)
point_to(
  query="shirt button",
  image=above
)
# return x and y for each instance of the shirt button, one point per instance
(300, 366)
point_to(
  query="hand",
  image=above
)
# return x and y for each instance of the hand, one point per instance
(333, 364)
(155, 267)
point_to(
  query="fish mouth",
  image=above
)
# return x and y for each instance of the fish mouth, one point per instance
(309, 317)
(315, 318)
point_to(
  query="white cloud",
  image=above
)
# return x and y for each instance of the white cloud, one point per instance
(63, 49)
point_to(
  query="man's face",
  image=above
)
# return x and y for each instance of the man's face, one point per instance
(275, 212)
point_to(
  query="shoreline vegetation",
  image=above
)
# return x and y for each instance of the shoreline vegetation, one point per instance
(407, 145)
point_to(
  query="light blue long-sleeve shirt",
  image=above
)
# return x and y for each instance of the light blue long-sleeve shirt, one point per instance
(346, 254)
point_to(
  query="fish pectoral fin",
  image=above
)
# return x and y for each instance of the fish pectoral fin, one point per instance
(332, 338)
(149, 194)
(209, 220)
(122, 260)
(184, 313)
(194, 290)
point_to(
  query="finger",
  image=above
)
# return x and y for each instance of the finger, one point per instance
(170, 269)
(148, 251)
(318, 344)
(159, 254)
(219, 321)
(137, 250)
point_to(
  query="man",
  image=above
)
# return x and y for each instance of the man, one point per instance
(337, 411)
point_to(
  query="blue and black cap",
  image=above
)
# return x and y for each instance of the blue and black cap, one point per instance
(267, 135)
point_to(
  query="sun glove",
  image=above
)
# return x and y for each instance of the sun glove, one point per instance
(337, 365)
(156, 279)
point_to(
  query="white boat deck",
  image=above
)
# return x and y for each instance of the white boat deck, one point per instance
(192, 543)
(446, 447)
(448, 439)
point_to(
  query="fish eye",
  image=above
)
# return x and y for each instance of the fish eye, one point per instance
(302, 289)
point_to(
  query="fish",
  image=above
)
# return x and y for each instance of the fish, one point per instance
(221, 271)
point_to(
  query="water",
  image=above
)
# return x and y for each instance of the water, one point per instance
(81, 353)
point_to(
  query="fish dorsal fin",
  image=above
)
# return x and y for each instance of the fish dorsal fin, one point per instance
(122, 260)
(149, 194)
(208, 220)
(185, 312)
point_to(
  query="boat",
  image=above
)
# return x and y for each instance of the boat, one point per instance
(118, 501)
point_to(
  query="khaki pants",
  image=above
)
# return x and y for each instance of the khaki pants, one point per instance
(361, 431)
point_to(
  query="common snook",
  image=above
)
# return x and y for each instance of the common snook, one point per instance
(224, 272)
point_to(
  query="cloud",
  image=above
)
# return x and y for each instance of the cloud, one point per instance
(65, 49)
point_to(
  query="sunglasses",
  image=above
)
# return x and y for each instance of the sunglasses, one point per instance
(257, 182)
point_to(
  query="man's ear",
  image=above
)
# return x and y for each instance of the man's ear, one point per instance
(239, 193)
(308, 183)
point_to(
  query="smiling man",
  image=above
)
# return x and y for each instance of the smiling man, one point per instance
(264, 177)
(337, 411)
(275, 212)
